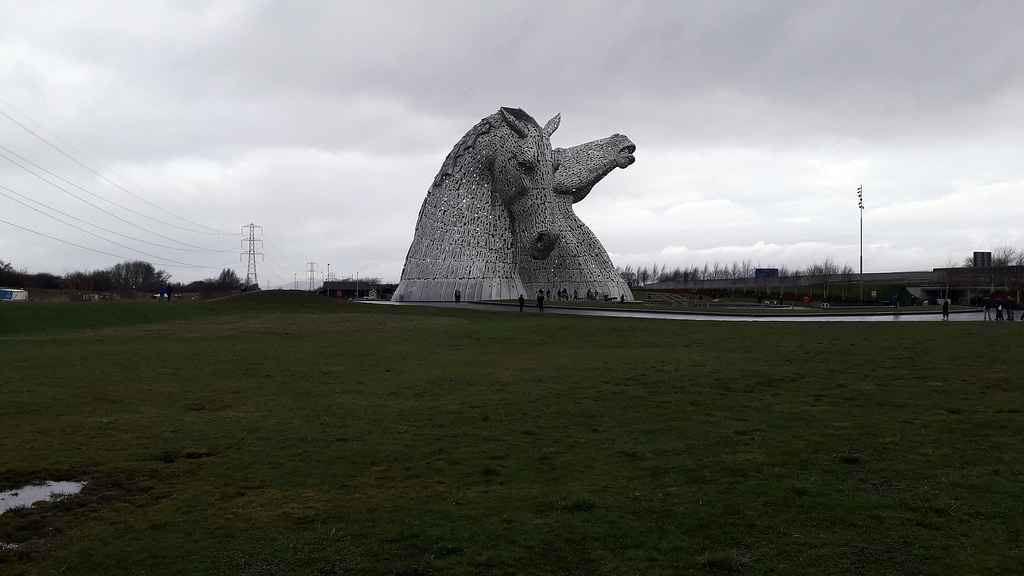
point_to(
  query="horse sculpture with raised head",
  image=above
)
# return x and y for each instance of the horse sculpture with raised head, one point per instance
(580, 264)
(501, 206)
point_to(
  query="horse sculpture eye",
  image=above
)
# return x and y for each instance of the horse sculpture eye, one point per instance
(526, 166)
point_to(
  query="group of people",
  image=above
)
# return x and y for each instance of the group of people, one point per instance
(540, 300)
(1004, 308)
(166, 291)
(562, 294)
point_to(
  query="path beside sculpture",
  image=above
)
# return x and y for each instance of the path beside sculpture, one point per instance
(498, 220)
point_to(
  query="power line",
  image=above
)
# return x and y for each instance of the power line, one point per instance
(276, 256)
(80, 229)
(97, 174)
(52, 178)
(197, 248)
(160, 262)
(281, 275)
(93, 194)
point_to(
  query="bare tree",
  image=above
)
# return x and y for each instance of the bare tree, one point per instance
(829, 271)
(816, 275)
(1004, 256)
(628, 275)
(846, 274)
(785, 277)
(641, 275)
(747, 273)
(87, 281)
(8, 275)
(137, 274)
(227, 280)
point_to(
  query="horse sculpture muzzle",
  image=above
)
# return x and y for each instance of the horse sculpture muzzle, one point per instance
(543, 244)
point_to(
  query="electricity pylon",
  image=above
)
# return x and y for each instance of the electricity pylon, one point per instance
(250, 274)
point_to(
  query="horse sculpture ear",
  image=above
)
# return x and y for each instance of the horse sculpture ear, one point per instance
(513, 123)
(552, 125)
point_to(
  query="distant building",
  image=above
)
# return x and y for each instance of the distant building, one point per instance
(349, 289)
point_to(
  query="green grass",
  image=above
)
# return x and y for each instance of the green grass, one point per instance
(280, 433)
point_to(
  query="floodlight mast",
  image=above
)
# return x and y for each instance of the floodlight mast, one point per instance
(860, 204)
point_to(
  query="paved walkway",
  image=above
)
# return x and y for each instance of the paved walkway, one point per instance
(721, 315)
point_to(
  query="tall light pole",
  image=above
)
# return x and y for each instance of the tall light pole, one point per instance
(295, 281)
(357, 284)
(860, 204)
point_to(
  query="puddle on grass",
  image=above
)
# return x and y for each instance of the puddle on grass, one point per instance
(29, 495)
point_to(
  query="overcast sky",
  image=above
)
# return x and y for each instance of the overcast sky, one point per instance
(159, 129)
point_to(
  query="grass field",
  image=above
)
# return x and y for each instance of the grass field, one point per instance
(281, 433)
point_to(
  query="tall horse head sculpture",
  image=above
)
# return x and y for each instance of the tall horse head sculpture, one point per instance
(580, 264)
(491, 207)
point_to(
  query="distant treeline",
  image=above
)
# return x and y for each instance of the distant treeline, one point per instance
(826, 274)
(129, 275)
(708, 273)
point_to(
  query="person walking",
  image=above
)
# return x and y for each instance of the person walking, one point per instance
(988, 309)
(945, 309)
(522, 302)
(540, 301)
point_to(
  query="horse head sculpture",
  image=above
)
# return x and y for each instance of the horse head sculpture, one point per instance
(492, 205)
(580, 263)
(498, 221)
(523, 181)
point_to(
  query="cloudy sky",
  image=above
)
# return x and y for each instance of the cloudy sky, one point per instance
(158, 130)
